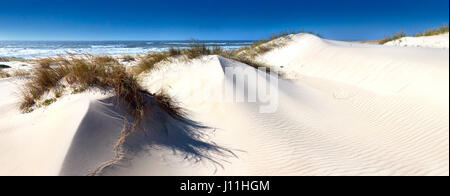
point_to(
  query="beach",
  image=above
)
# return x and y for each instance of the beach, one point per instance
(327, 108)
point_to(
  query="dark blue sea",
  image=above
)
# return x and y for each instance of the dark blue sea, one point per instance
(27, 49)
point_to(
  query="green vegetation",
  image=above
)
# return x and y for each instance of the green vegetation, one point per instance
(79, 90)
(198, 49)
(106, 72)
(195, 50)
(47, 102)
(53, 69)
(58, 92)
(89, 72)
(102, 73)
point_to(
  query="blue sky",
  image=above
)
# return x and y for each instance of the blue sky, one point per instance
(213, 19)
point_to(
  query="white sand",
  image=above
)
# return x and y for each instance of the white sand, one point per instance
(348, 109)
(436, 41)
(17, 66)
(36, 143)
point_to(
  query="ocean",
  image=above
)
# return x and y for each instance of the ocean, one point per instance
(27, 49)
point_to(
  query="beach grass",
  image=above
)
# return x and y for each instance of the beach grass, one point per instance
(4, 74)
(21, 73)
(265, 45)
(42, 80)
(79, 89)
(444, 28)
(128, 58)
(252, 63)
(149, 61)
(46, 62)
(14, 73)
(104, 60)
(434, 31)
(8, 59)
(4, 59)
(262, 46)
(98, 73)
(48, 102)
(396, 36)
(58, 92)
(195, 50)
(87, 72)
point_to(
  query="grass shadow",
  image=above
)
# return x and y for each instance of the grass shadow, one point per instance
(92, 153)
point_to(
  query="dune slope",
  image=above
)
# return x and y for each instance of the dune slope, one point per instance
(349, 109)
(435, 41)
(36, 143)
(343, 109)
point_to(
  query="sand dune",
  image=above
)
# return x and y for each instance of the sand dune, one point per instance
(342, 109)
(36, 143)
(436, 41)
(349, 110)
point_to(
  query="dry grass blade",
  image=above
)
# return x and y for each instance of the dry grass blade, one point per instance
(8, 59)
(128, 58)
(434, 31)
(396, 36)
(21, 73)
(149, 61)
(4, 74)
(102, 73)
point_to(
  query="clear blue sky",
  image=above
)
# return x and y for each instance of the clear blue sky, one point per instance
(213, 19)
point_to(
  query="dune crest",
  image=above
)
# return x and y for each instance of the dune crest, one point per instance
(349, 109)
(342, 108)
(435, 41)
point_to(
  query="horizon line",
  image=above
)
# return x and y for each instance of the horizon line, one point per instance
(142, 40)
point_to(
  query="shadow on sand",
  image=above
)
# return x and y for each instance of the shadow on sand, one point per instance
(103, 125)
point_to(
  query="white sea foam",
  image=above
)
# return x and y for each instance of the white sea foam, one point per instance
(108, 46)
(26, 49)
